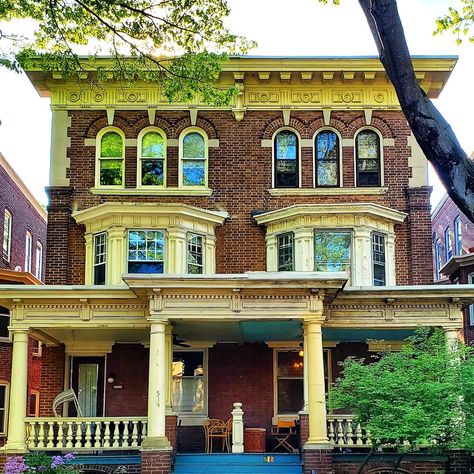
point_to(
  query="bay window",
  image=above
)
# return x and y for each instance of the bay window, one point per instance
(378, 259)
(195, 254)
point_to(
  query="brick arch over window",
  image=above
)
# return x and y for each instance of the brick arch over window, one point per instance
(376, 122)
(277, 123)
(335, 123)
(159, 122)
(101, 123)
(202, 123)
(388, 470)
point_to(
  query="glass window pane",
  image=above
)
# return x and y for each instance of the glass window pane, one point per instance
(195, 254)
(327, 146)
(285, 252)
(146, 251)
(153, 145)
(328, 173)
(188, 382)
(152, 172)
(145, 267)
(286, 174)
(290, 364)
(194, 146)
(193, 173)
(111, 145)
(290, 395)
(367, 145)
(332, 251)
(368, 179)
(286, 145)
(4, 323)
(111, 172)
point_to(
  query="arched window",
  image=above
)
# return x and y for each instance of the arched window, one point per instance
(193, 158)
(151, 158)
(327, 159)
(368, 158)
(111, 154)
(286, 151)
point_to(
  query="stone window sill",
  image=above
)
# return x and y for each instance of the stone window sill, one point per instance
(327, 191)
(152, 192)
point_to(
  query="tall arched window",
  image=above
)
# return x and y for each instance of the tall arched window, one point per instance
(327, 159)
(286, 151)
(368, 158)
(111, 154)
(193, 158)
(151, 158)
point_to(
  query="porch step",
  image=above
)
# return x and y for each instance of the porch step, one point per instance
(248, 463)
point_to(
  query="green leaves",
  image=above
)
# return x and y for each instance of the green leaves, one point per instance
(421, 396)
(458, 21)
(152, 33)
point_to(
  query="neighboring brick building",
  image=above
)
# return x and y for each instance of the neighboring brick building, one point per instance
(23, 221)
(203, 248)
(453, 252)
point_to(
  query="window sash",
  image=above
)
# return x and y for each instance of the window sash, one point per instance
(470, 280)
(28, 244)
(457, 236)
(325, 159)
(147, 252)
(100, 258)
(332, 263)
(7, 235)
(4, 408)
(378, 259)
(368, 167)
(286, 165)
(286, 252)
(39, 261)
(448, 243)
(195, 254)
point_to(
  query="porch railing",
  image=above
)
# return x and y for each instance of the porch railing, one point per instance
(344, 432)
(85, 434)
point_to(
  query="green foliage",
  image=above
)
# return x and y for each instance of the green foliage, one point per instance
(421, 396)
(178, 43)
(458, 21)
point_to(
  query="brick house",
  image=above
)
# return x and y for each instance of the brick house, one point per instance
(23, 221)
(200, 258)
(453, 252)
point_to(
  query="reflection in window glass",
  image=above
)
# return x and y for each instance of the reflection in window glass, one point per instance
(332, 251)
(100, 258)
(378, 259)
(195, 253)
(189, 382)
(111, 159)
(3, 407)
(4, 322)
(286, 160)
(285, 244)
(194, 160)
(152, 159)
(7, 235)
(368, 158)
(457, 236)
(290, 382)
(146, 251)
(327, 159)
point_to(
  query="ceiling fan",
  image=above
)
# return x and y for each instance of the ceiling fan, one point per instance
(180, 342)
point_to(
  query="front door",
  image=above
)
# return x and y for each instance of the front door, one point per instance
(88, 383)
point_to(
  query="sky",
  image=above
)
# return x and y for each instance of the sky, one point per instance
(280, 27)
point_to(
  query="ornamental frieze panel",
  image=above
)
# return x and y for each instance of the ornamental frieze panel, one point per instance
(272, 97)
(305, 97)
(347, 96)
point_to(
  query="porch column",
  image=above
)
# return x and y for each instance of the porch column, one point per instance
(18, 391)
(156, 437)
(305, 370)
(316, 387)
(169, 367)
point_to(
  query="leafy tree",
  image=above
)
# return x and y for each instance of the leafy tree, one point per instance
(419, 397)
(178, 43)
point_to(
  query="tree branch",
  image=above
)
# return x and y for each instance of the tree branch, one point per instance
(431, 130)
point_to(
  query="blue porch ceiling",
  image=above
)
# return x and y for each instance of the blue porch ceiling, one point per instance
(259, 331)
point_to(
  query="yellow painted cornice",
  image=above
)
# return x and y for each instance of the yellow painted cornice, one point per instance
(112, 209)
(300, 210)
(264, 83)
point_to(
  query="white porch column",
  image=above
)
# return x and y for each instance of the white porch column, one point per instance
(169, 367)
(156, 437)
(452, 338)
(237, 428)
(305, 370)
(316, 387)
(18, 391)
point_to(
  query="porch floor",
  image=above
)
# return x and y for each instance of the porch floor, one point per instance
(247, 463)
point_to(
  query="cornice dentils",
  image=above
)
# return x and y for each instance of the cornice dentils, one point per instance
(263, 76)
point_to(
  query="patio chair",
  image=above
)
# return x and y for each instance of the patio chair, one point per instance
(216, 428)
(67, 396)
(282, 432)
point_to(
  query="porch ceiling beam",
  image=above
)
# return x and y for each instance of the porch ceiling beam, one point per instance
(45, 338)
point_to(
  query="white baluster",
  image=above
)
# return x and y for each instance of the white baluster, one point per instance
(88, 443)
(135, 434)
(106, 440)
(331, 435)
(116, 443)
(359, 440)
(340, 432)
(69, 434)
(60, 436)
(349, 432)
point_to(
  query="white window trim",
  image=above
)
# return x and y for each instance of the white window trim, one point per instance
(340, 165)
(165, 246)
(94, 254)
(37, 393)
(203, 248)
(282, 129)
(372, 254)
(98, 144)
(448, 243)
(196, 419)
(470, 281)
(7, 235)
(28, 251)
(381, 150)
(457, 225)
(139, 157)
(39, 351)
(39, 260)
(181, 158)
(6, 384)
(342, 230)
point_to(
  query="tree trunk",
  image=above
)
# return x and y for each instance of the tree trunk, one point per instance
(432, 132)
(366, 459)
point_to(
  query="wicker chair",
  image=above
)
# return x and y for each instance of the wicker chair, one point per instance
(216, 428)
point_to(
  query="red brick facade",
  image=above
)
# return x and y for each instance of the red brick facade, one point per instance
(240, 174)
